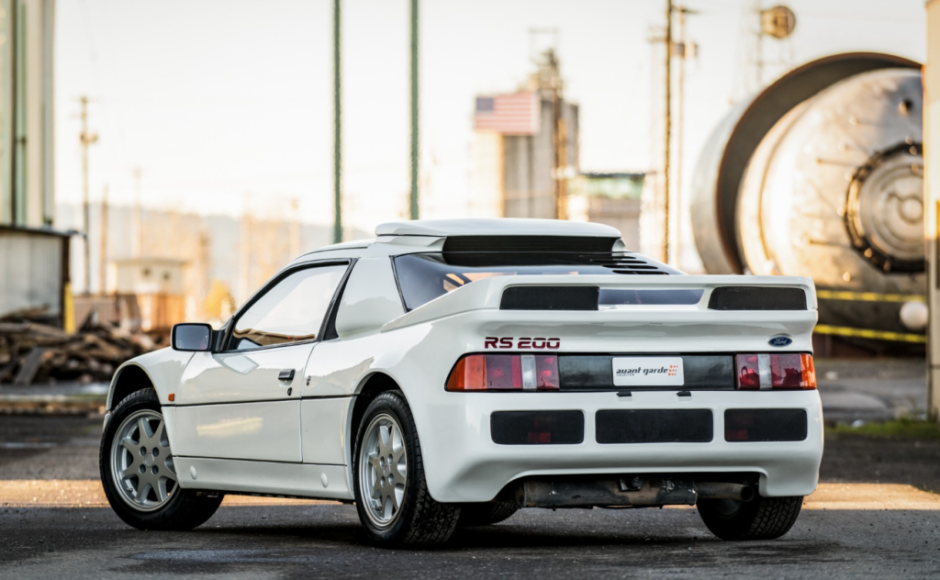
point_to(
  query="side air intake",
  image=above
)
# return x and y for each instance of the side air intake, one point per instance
(757, 298)
(550, 298)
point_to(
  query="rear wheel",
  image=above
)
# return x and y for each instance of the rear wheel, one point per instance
(138, 473)
(763, 518)
(484, 514)
(392, 497)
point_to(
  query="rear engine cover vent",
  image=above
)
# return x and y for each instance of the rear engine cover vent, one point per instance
(628, 264)
(550, 298)
(757, 298)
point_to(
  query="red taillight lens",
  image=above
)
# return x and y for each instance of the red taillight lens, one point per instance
(748, 371)
(503, 372)
(478, 372)
(775, 371)
(546, 372)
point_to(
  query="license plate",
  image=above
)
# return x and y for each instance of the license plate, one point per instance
(651, 371)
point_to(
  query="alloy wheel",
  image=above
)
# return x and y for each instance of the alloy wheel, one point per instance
(141, 462)
(383, 470)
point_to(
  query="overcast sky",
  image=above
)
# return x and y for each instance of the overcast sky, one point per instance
(223, 101)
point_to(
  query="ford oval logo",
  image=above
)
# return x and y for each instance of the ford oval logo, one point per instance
(780, 341)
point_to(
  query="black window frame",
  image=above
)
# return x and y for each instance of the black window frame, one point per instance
(328, 318)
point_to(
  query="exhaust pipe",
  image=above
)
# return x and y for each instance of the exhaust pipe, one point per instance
(718, 490)
(624, 492)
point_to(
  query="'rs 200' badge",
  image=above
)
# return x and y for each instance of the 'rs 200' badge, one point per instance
(780, 341)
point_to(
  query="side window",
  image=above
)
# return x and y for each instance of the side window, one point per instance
(291, 311)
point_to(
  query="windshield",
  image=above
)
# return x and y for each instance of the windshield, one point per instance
(424, 277)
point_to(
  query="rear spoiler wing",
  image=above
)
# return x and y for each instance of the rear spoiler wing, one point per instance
(487, 294)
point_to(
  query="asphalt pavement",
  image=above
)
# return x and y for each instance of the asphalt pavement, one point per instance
(870, 518)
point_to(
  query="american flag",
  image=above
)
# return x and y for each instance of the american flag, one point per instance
(514, 114)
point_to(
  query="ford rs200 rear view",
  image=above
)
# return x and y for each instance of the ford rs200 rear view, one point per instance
(449, 373)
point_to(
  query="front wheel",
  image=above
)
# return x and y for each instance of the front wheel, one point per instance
(763, 518)
(138, 472)
(392, 496)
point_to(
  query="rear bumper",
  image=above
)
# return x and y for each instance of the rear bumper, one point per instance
(463, 464)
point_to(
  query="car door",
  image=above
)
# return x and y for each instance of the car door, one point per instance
(244, 402)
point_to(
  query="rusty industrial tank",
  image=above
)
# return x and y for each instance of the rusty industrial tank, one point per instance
(821, 175)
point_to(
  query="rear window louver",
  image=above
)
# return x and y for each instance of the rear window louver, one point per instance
(550, 298)
(757, 298)
(628, 264)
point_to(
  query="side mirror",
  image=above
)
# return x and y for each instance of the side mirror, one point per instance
(191, 337)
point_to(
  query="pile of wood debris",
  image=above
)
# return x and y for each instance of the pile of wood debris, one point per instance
(34, 353)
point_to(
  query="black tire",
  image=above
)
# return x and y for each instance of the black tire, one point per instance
(763, 518)
(184, 510)
(420, 520)
(484, 514)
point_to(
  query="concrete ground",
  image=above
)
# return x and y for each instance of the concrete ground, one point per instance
(869, 518)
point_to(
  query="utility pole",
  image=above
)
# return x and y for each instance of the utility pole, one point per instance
(294, 231)
(668, 132)
(415, 153)
(103, 238)
(87, 139)
(683, 52)
(337, 130)
(559, 138)
(138, 218)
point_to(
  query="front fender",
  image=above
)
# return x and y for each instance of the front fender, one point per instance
(164, 368)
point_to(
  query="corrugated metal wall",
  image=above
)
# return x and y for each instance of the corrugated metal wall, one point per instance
(30, 272)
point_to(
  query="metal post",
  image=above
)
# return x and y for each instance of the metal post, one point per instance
(932, 202)
(138, 218)
(337, 130)
(13, 41)
(680, 98)
(415, 154)
(103, 238)
(668, 132)
(86, 140)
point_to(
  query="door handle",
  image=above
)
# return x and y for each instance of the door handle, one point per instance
(286, 375)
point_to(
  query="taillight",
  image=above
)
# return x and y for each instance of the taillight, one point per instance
(480, 372)
(775, 371)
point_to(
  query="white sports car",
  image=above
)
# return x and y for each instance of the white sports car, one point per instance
(450, 372)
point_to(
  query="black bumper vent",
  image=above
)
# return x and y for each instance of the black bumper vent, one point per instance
(537, 427)
(757, 298)
(549, 298)
(743, 425)
(655, 426)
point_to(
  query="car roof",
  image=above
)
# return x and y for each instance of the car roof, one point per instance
(495, 227)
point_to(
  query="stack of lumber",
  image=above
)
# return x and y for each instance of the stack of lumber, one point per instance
(33, 353)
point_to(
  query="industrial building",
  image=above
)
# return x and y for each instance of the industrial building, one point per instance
(33, 257)
(526, 160)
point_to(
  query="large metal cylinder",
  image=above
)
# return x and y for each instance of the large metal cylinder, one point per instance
(821, 175)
